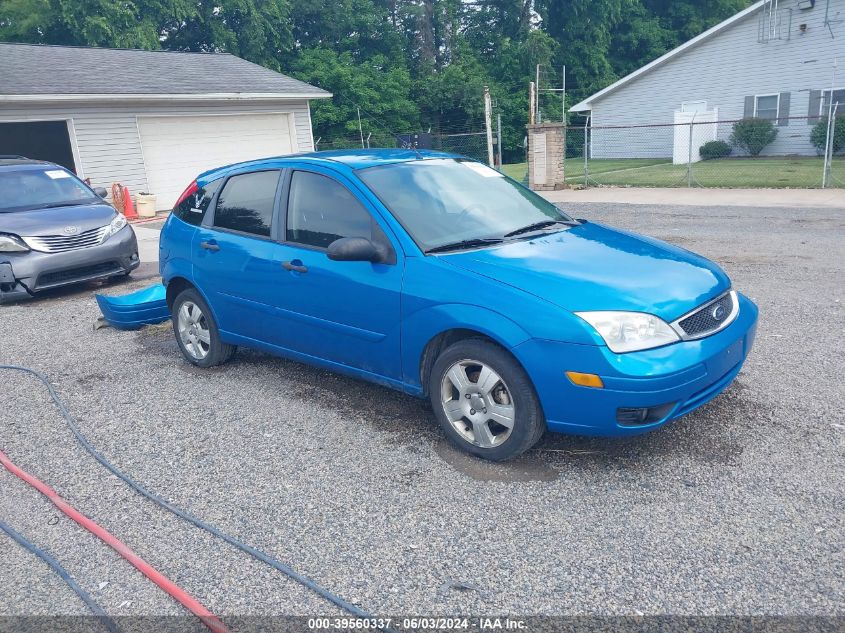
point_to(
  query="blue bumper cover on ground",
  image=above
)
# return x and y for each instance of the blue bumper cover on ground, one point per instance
(135, 310)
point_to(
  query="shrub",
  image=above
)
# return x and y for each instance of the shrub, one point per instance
(752, 135)
(714, 149)
(818, 136)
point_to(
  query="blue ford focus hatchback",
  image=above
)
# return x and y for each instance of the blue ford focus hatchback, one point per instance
(438, 276)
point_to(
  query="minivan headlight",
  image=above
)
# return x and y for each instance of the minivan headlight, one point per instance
(12, 244)
(630, 331)
(118, 223)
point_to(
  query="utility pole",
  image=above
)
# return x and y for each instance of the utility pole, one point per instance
(499, 138)
(360, 129)
(488, 124)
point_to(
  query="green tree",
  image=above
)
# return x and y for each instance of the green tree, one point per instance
(381, 90)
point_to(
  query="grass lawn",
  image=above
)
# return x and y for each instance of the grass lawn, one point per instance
(726, 172)
(516, 171)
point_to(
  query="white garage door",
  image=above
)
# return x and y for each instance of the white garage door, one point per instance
(178, 148)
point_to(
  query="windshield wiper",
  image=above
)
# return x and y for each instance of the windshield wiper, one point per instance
(453, 246)
(55, 205)
(537, 226)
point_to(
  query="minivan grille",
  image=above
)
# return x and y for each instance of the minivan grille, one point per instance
(64, 243)
(703, 321)
(77, 274)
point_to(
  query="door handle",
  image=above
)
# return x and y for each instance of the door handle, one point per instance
(295, 266)
(210, 246)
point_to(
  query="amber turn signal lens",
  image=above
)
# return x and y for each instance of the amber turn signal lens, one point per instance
(585, 380)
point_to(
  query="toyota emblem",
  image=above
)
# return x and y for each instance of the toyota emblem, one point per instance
(718, 312)
(70, 230)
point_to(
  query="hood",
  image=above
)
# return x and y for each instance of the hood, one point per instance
(52, 221)
(594, 267)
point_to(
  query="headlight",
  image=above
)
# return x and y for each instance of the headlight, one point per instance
(118, 223)
(630, 331)
(12, 244)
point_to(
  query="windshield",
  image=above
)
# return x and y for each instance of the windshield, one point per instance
(28, 188)
(448, 201)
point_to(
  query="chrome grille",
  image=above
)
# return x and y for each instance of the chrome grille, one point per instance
(703, 321)
(64, 243)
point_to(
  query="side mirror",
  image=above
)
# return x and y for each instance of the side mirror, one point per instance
(581, 220)
(354, 249)
(101, 191)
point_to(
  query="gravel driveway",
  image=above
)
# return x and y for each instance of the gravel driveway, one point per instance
(739, 508)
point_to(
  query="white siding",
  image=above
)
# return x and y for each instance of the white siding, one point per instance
(107, 143)
(723, 70)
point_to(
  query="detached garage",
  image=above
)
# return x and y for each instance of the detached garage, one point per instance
(150, 120)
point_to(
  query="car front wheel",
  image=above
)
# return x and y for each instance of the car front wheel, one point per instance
(485, 401)
(196, 331)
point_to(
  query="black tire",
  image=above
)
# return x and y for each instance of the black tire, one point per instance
(529, 423)
(218, 351)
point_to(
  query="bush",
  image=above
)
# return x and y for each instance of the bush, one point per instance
(818, 136)
(714, 149)
(752, 135)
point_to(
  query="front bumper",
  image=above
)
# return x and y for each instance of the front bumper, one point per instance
(684, 375)
(22, 274)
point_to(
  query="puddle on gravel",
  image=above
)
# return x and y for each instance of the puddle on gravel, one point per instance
(525, 468)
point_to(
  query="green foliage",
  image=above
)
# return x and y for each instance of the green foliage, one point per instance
(752, 135)
(818, 136)
(714, 149)
(381, 90)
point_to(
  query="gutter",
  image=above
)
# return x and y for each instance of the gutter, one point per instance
(148, 98)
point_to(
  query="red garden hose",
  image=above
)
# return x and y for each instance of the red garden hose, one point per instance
(172, 589)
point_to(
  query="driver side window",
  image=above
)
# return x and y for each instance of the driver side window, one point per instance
(321, 210)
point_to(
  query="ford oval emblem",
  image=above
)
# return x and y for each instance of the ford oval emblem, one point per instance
(70, 230)
(718, 312)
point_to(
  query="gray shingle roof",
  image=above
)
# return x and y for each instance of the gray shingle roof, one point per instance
(28, 69)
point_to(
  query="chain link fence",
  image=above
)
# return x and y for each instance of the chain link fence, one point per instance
(748, 153)
(736, 153)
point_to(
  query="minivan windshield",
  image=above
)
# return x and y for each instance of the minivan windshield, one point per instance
(448, 202)
(30, 188)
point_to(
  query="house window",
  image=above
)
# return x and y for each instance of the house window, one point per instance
(766, 107)
(838, 97)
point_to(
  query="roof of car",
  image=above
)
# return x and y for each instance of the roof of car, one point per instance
(351, 158)
(362, 158)
(15, 161)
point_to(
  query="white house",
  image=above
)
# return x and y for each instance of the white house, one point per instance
(150, 120)
(776, 60)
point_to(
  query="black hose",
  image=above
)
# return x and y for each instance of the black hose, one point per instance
(96, 609)
(255, 553)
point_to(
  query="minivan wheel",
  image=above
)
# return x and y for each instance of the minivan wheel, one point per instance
(485, 401)
(196, 331)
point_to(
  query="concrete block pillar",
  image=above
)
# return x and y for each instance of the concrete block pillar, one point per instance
(546, 146)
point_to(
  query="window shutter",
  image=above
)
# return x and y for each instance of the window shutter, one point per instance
(815, 104)
(783, 108)
(749, 108)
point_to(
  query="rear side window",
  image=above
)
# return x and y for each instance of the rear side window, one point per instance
(246, 203)
(321, 210)
(192, 209)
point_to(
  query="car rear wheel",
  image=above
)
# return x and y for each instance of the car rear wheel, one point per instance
(485, 401)
(196, 331)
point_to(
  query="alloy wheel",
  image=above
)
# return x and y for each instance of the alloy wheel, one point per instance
(193, 330)
(477, 403)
